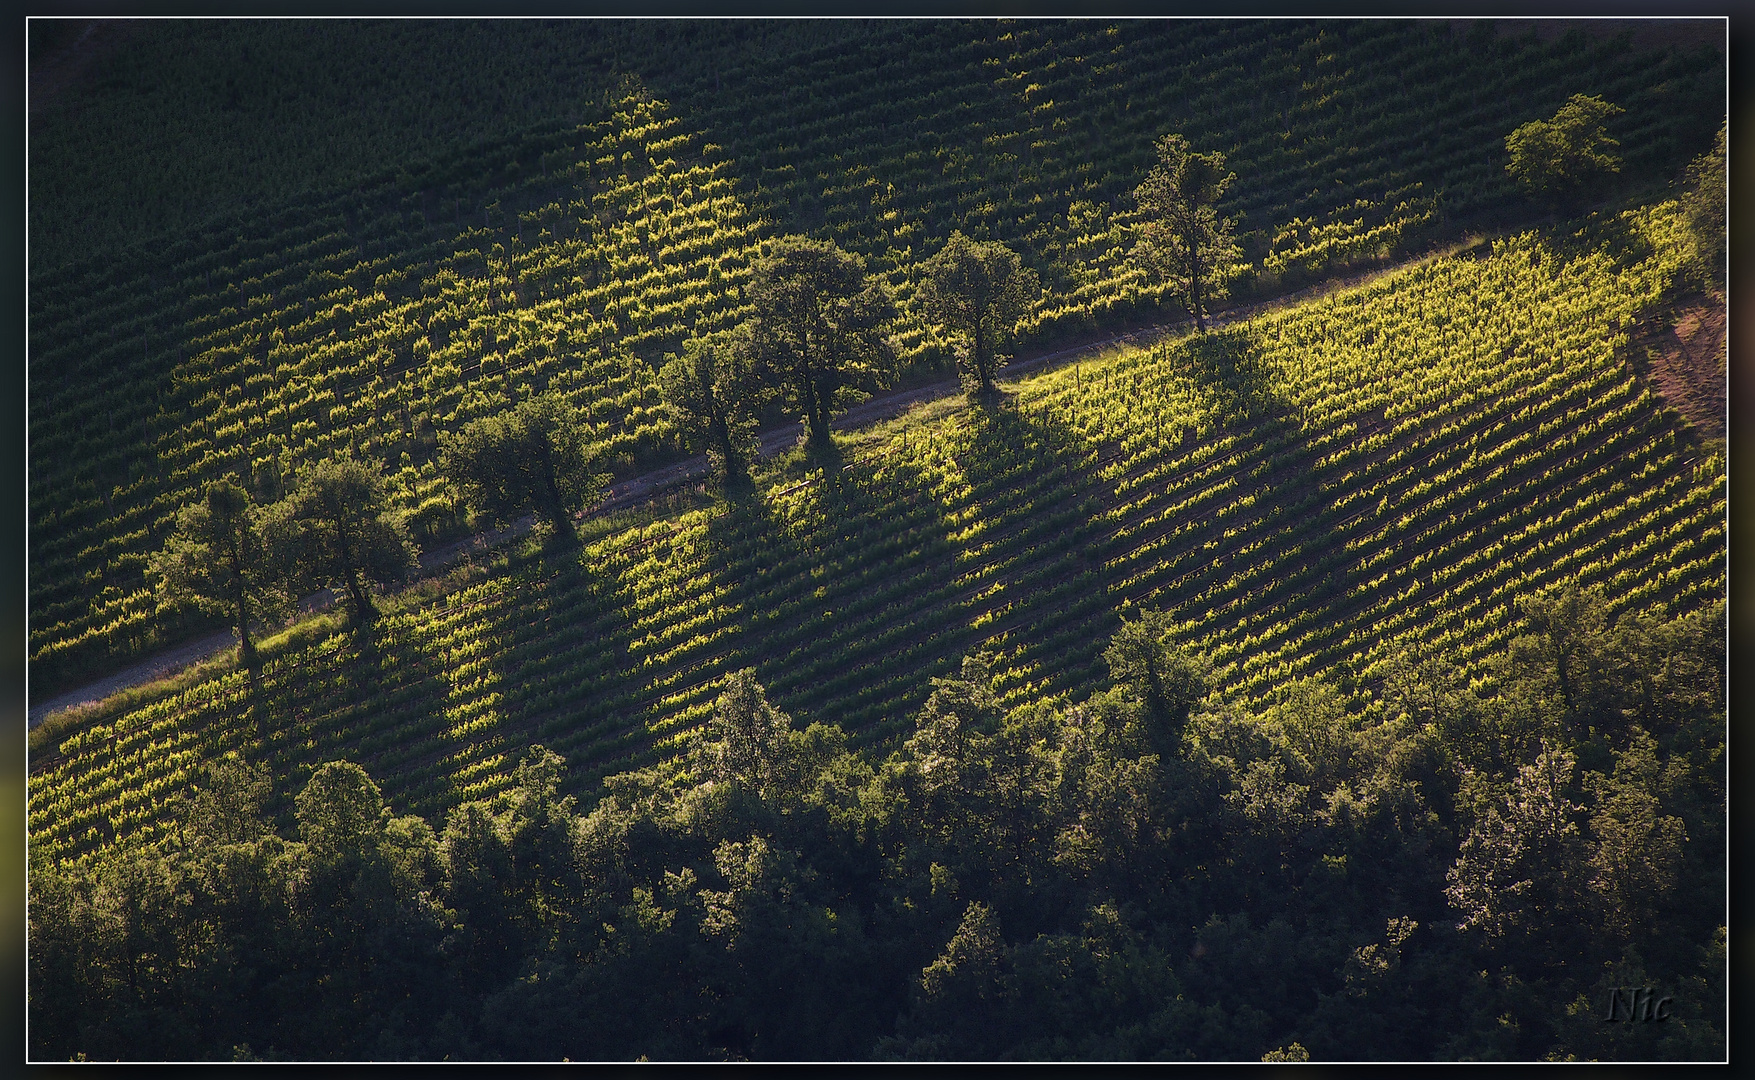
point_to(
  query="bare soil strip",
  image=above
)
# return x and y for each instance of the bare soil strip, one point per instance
(1684, 362)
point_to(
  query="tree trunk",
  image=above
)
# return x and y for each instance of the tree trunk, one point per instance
(362, 604)
(1194, 276)
(247, 655)
(721, 428)
(983, 362)
(241, 607)
(819, 427)
(815, 415)
(556, 509)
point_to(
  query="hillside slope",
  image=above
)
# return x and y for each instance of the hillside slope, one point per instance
(274, 301)
(1381, 472)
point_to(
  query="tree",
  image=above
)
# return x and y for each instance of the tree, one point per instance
(1168, 679)
(1554, 158)
(1182, 239)
(534, 456)
(977, 290)
(746, 740)
(227, 808)
(365, 970)
(818, 326)
(707, 392)
(1638, 849)
(1567, 642)
(963, 998)
(337, 528)
(1704, 202)
(339, 810)
(218, 560)
(962, 707)
(1522, 860)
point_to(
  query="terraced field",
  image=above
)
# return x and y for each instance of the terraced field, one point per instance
(1330, 484)
(383, 303)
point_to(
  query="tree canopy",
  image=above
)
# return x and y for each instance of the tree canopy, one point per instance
(977, 291)
(1182, 239)
(709, 392)
(1168, 679)
(1319, 877)
(534, 457)
(817, 328)
(218, 560)
(1705, 200)
(337, 529)
(1557, 158)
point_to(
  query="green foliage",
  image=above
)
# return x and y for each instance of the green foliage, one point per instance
(219, 561)
(747, 739)
(1557, 158)
(710, 394)
(534, 456)
(977, 291)
(228, 807)
(1446, 484)
(1183, 240)
(339, 810)
(1639, 849)
(1704, 201)
(961, 997)
(1566, 621)
(1519, 865)
(337, 530)
(816, 328)
(1168, 678)
(379, 355)
(1248, 897)
(238, 938)
(1276, 875)
(960, 708)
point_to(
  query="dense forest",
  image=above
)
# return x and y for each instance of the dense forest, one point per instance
(1465, 869)
(1317, 653)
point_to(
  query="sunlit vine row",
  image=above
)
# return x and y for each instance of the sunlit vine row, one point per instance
(1293, 488)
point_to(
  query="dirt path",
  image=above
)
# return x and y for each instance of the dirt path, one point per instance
(774, 441)
(1685, 362)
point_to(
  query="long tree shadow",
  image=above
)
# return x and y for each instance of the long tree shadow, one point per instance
(1257, 542)
(1241, 388)
(1039, 599)
(560, 658)
(839, 584)
(422, 698)
(1621, 237)
(1324, 540)
(363, 695)
(1075, 533)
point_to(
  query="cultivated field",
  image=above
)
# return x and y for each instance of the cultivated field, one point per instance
(390, 303)
(1385, 469)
